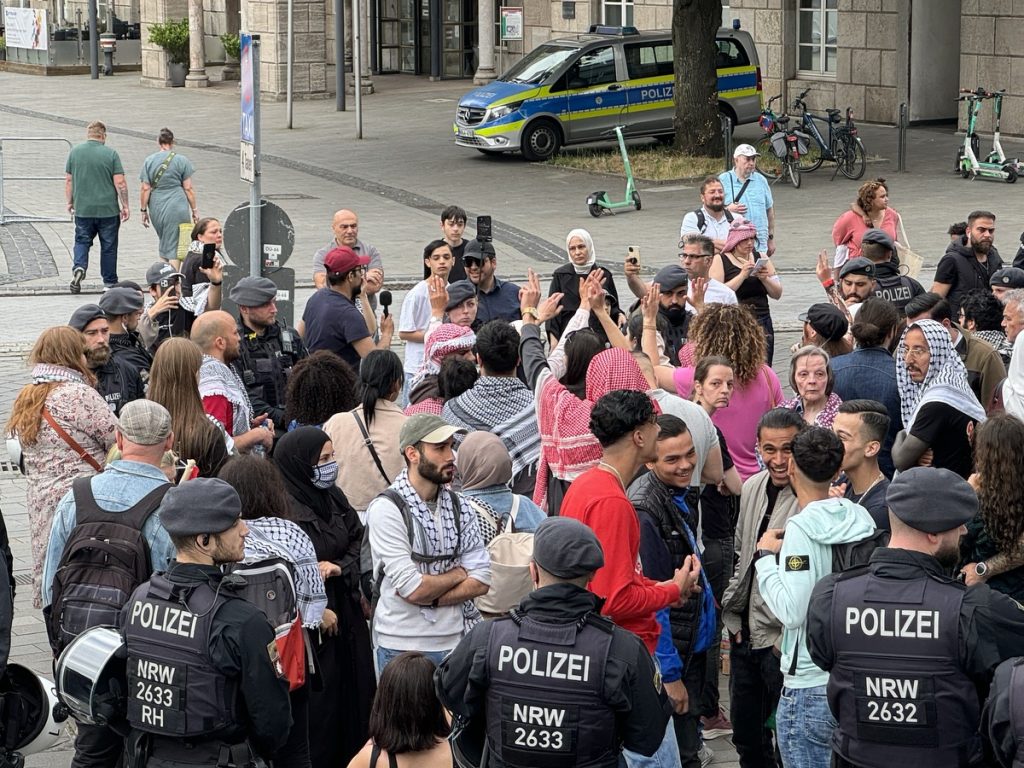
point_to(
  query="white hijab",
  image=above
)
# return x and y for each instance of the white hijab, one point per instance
(1013, 387)
(583, 235)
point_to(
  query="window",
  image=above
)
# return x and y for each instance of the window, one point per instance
(731, 55)
(648, 59)
(617, 13)
(596, 67)
(818, 20)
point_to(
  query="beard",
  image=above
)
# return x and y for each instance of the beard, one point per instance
(949, 555)
(715, 207)
(428, 470)
(98, 356)
(982, 247)
(357, 290)
(675, 315)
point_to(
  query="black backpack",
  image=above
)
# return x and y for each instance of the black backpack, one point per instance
(105, 559)
(702, 221)
(856, 553)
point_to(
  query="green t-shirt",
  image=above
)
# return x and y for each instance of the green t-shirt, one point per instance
(92, 166)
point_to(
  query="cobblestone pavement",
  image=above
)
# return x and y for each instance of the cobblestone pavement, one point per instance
(397, 179)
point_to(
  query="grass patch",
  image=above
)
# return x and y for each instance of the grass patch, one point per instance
(654, 163)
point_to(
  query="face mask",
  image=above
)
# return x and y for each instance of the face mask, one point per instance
(324, 475)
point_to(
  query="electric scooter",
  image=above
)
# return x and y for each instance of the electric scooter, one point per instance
(967, 162)
(599, 203)
(997, 155)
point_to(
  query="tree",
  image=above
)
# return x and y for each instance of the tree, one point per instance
(695, 25)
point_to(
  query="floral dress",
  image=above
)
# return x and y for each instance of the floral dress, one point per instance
(825, 416)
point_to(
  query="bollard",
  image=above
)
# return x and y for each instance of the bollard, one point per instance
(108, 43)
(727, 139)
(901, 140)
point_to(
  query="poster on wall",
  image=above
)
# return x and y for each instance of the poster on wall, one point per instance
(511, 23)
(26, 28)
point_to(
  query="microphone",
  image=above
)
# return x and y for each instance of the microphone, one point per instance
(385, 301)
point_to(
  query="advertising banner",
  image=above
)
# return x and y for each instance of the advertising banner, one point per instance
(26, 28)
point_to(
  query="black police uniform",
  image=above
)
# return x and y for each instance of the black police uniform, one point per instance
(128, 348)
(554, 685)
(906, 647)
(895, 288)
(675, 334)
(264, 365)
(203, 680)
(119, 383)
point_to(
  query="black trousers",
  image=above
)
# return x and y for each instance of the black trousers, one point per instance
(96, 746)
(755, 684)
(685, 725)
(718, 565)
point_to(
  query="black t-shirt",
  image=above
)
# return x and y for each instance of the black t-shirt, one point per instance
(715, 509)
(334, 323)
(944, 429)
(873, 500)
(458, 271)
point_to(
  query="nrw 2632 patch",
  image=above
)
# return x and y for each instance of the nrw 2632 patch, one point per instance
(798, 563)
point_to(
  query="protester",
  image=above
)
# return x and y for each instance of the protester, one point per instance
(869, 211)
(969, 264)
(196, 280)
(320, 386)
(305, 457)
(456, 377)
(174, 309)
(173, 382)
(453, 227)
(712, 218)
(485, 472)
(448, 339)
(1012, 391)
(566, 279)
(981, 315)
(345, 226)
(64, 427)
(862, 425)
(167, 199)
(496, 299)
(416, 309)
(811, 378)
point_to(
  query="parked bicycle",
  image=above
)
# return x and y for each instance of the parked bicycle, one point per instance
(843, 146)
(781, 149)
(768, 162)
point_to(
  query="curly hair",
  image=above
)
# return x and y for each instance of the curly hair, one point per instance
(999, 461)
(730, 330)
(983, 308)
(866, 193)
(320, 386)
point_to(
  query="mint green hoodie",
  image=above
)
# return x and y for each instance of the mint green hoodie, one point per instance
(805, 558)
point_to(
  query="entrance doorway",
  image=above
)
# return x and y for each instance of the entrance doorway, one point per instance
(427, 37)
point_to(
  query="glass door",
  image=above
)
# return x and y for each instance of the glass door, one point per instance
(389, 22)
(460, 38)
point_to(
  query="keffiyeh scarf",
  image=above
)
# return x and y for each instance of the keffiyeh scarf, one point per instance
(503, 406)
(217, 378)
(448, 339)
(274, 537)
(44, 373)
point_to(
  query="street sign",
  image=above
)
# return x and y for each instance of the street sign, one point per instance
(247, 156)
(277, 236)
(511, 23)
(284, 279)
(248, 91)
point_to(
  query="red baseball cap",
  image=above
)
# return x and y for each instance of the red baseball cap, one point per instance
(343, 259)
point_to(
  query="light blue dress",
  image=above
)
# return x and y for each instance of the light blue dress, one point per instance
(168, 206)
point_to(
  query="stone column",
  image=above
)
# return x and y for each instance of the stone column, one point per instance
(196, 47)
(485, 35)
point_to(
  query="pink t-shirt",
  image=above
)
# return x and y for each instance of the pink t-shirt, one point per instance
(738, 422)
(850, 228)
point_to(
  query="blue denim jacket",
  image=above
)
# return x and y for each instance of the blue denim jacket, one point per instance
(119, 487)
(871, 374)
(499, 498)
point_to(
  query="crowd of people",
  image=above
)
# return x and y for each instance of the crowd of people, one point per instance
(537, 533)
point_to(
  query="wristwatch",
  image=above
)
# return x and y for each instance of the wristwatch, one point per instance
(763, 553)
(980, 569)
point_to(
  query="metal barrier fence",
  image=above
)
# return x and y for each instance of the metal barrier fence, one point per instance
(7, 217)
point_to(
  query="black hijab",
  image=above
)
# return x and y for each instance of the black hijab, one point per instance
(295, 455)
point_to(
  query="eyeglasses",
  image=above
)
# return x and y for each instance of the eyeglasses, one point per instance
(914, 352)
(693, 256)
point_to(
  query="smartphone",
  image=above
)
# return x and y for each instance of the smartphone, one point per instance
(209, 251)
(633, 255)
(483, 229)
(760, 264)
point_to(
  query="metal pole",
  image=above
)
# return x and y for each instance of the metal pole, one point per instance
(727, 140)
(291, 57)
(357, 65)
(339, 54)
(901, 147)
(1, 183)
(374, 53)
(255, 232)
(94, 58)
(78, 24)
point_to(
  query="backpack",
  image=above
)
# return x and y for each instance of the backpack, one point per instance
(270, 586)
(510, 554)
(856, 553)
(105, 559)
(369, 581)
(702, 221)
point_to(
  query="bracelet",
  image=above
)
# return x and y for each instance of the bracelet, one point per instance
(213, 283)
(530, 311)
(828, 283)
(650, 327)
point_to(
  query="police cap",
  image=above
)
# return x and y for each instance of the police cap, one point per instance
(566, 548)
(203, 505)
(858, 266)
(85, 315)
(671, 277)
(120, 301)
(253, 291)
(1008, 277)
(879, 236)
(913, 499)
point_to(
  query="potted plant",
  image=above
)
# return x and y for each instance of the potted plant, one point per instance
(3, 48)
(232, 53)
(172, 36)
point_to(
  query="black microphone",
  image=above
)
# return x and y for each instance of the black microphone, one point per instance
(385, 301)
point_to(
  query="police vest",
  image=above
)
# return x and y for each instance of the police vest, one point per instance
(897, 689)
(545, 704)
(266, 361)
(896, 289)
(174, 690)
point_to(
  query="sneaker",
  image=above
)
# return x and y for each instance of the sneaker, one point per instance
(77, 276)
(705, 755)
(716, 726)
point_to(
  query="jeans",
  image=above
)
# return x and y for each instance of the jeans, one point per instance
(755, 685)
(686, 724)
(86, 229)
(386, 655)
(97, 746)
(804, 726)
(667, 755)
(765, 321)
(718, 565)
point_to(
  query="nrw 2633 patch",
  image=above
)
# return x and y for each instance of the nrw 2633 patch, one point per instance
(275, 658)
(798, 563)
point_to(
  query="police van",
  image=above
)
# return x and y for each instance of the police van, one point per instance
(575, 90)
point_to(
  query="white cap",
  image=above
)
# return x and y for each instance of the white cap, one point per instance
(744, 150)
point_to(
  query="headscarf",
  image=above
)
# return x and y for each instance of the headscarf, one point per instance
(1013, 387)
(483, 461)
(568, 447)
(295, 455)
(945, 381)
(583, 235)
(447, 339)
(741, 229)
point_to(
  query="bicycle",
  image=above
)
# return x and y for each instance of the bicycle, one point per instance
(844, 147)
(768, 161)
(787, 147)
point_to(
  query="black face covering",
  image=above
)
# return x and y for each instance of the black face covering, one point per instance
(675, 315)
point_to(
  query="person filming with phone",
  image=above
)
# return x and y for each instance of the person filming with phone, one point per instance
(171, 312)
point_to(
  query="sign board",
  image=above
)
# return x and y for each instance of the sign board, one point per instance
(511, 23)
(247, 158)
(277, 236)
(248, 91)
(284, 279)
(26, 28)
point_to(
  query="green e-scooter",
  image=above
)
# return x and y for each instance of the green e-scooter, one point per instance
(599, 203)
(967, 162)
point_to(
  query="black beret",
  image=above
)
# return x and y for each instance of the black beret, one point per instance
(120, 301)
(458, 292)
(253, 291)
(85, 315)
(671, 277)
(203, 505)
(566, 548)
(931, 500)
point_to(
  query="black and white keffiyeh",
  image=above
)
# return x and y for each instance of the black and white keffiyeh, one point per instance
(217, 378)
(274, 537)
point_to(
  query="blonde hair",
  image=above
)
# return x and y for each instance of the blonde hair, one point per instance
(730, 331)
(96, 129)
(61, 345)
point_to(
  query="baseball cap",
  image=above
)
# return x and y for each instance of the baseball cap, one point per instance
(744, 150)
(858, 266)
(478, 251)
(160, 271)
(826, 320)
(343, 259)
(426, 428)
(1008, 277)
(144, 422)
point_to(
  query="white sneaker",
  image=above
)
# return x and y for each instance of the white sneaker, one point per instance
(706, 755)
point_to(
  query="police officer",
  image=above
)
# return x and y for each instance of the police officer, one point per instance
(123, 306)
(554, 684)
(117, 381)
(905, 643)
(205, 685)
(269, 348)
(878, 247)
